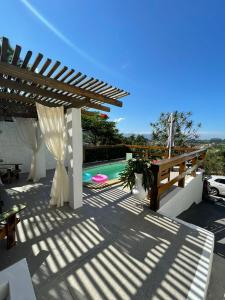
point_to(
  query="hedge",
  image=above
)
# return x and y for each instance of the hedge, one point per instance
(98, 153)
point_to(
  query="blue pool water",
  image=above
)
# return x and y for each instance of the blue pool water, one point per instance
(112, 170)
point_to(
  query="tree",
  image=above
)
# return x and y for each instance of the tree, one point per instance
(185, 129)
(133, 139)
(130, 140)
(141, 140)
(99, 131)
(215, 161)
(216, 141)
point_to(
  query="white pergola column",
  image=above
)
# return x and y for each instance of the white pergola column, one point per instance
(75, 156)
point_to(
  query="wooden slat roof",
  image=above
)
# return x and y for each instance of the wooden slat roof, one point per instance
(23, 83)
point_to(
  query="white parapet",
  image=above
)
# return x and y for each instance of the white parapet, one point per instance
(75, 156)
(15, 282)
(180, 199)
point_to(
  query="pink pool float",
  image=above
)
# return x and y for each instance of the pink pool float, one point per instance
(99, 178)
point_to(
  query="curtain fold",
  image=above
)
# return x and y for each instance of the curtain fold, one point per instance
(29, 133)
(52, 124)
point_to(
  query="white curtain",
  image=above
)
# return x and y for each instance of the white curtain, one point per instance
(52, 124)
(29, 132)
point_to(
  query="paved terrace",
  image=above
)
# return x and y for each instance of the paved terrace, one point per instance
(111, 248)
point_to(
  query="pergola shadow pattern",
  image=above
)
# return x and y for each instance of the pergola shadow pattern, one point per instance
(26, 81)
(111, 248)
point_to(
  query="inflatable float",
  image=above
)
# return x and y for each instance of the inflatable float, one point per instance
(86, 176)
(99, 178)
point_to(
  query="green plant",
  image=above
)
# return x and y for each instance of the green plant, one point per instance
(100, 131)
(140, 166)
(215, 161)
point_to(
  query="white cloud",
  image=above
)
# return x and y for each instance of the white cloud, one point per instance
(118, 120)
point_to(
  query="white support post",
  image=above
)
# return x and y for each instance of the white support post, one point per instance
(75, 156)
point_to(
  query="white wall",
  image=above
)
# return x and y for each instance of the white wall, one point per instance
(12, 150)
(180, 199)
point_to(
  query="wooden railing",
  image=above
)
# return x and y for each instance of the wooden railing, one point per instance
(187, 163)
(157, 151)
(108, 152)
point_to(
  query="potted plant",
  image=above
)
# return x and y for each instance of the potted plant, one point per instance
(137, 176)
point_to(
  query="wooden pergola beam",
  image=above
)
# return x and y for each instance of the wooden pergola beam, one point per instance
(5, 104)
(35, 90)
(28, 100)
(26, 110)
(13, 109)
(96, 105)
(31, 101)
(70, 101)
(50, 83)
(39, 79)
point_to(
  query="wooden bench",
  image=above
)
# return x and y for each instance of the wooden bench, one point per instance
(8, 223)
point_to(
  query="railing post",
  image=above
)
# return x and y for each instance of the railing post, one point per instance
(154, 193)
(146, 154)
(194, 161)
(182, 169)
(202, 157)
(166, 155)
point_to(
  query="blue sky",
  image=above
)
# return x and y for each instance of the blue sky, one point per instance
(170, 55)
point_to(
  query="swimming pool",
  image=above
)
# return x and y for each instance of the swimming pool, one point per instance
(112, 170)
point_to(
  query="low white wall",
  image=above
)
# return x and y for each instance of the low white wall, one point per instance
(19, 281)
(12, 150)
(180, 199)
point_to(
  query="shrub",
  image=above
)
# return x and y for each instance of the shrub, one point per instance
(99, 153)
(215, 161)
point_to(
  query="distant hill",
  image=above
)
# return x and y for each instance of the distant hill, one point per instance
(147, 136)
(202, 138)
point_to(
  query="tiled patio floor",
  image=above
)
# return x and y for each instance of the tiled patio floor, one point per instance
(111, 248)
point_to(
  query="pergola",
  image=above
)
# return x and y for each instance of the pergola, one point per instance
(23, 82)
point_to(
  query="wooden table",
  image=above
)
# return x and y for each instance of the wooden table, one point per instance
(8, 223)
